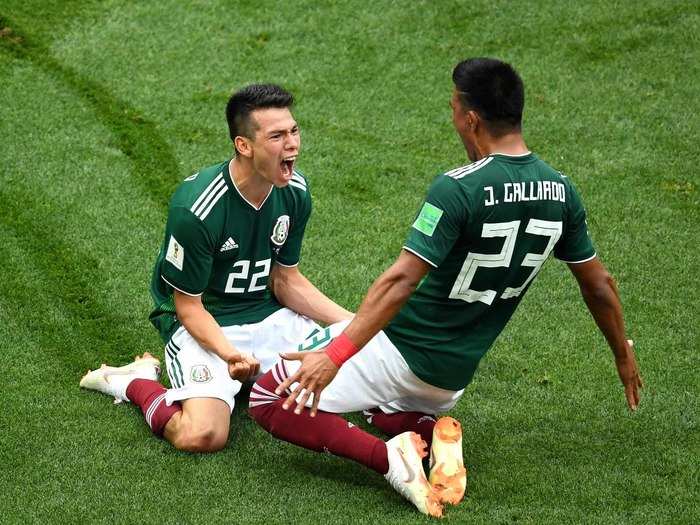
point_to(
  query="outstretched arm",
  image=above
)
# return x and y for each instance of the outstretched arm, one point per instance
(599, 291)
(383, 301)
(296, 292)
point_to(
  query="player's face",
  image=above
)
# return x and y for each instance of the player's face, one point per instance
(463, 126)
(276, 144)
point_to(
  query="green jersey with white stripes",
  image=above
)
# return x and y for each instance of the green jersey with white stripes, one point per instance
(486, 229)
(218, 245)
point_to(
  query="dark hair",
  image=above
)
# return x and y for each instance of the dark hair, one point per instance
(494, 90)
(255, 96)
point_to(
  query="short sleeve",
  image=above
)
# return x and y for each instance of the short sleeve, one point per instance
(575, 244)
(290, 253)
(188, 252)
(439, 221)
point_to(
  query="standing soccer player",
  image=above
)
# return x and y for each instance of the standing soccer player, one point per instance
(227, 290)
(478, 241)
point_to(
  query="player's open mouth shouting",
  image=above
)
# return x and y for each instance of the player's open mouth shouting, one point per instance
(287, 167)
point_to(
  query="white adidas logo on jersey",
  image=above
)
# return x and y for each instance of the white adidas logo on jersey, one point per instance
(230, 244)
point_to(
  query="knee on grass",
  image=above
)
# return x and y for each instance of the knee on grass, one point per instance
(206, 438)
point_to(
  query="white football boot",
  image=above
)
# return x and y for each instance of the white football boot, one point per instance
(113, 380)
(406, 474)
(447, 473)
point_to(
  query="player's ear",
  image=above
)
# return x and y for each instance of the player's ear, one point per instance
(473, 120)
(243, 146)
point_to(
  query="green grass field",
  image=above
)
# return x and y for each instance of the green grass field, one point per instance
(106, 106)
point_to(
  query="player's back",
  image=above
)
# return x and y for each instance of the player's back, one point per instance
(486, 228)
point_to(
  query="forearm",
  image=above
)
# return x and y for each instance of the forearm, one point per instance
(604, 304)
(383, 301)
(299, 294)
(599, 291)
(206, 331)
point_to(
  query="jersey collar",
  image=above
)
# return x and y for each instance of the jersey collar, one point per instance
(511, 155)
(232, 185)
(520, 157)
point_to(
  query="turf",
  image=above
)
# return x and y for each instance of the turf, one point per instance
(105, 106)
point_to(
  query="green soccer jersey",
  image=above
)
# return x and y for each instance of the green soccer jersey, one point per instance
(486, 229)
(219, 246)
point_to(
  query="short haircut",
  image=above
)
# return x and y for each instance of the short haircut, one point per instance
(494, 90)
(255, 96)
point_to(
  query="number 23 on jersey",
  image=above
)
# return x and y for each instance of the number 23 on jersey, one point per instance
(509, 230)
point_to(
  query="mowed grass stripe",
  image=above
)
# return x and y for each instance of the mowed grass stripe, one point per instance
(69, 280)
(155, 169)
(72, 279)
(70, 286)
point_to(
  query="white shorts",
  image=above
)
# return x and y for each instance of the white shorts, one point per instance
(195, 372)
(377, 376)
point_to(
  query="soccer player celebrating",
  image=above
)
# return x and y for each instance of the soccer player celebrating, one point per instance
(478, 241)
(227, 290)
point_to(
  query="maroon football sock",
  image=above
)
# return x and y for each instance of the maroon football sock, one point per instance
(324, 433)
(395, 424)
(150, 396)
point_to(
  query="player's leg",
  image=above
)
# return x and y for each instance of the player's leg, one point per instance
(447, 472)
(202, 387)
(194, 414)
(201, 426)
(395, 423)
(368, 379)
(135, 382)
(415, 412)
(371, 378)
(281, 332)
(327, 432)
(194, 424)
(399, 460)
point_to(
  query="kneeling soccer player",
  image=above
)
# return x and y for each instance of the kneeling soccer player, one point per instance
(233, 235)
(480, 238)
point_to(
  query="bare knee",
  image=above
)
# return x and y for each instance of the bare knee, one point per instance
(201, 426)
(206, 438)
(190, 435)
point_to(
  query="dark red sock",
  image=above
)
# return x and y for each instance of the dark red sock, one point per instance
(324, 433)
(150, 396)
(395, 424)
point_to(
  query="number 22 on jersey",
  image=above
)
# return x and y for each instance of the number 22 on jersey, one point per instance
(509, 230)
(257, 283)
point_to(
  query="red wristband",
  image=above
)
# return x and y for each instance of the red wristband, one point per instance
(341, 349)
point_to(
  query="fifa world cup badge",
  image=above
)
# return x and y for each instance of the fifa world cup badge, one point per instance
(280, 231)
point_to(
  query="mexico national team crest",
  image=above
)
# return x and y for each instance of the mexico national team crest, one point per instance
(200, 374)
(280, 231)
